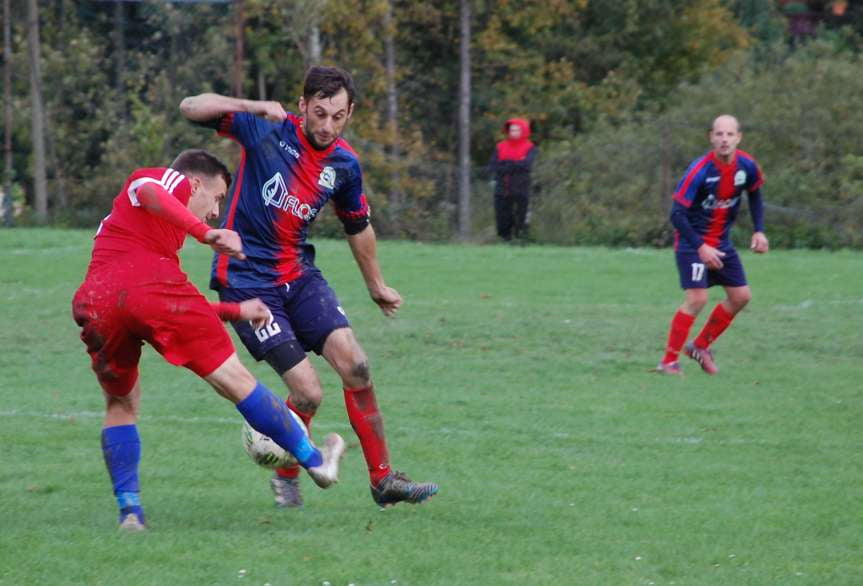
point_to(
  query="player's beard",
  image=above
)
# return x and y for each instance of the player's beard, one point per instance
(314, 142)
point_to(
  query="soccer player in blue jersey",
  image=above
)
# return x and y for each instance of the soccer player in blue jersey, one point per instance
(291, 167)
(705, 206)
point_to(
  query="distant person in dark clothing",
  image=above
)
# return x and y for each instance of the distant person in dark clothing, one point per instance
(511, 166)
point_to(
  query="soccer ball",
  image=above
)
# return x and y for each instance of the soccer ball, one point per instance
(264, 451)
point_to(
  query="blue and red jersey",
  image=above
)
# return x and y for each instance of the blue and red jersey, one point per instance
(280, 187)
(708, 197)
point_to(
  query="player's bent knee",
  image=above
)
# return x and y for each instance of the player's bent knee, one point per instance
(739, 298)
(695, 301)
(232, 379)
(741, 302)
(361, 370)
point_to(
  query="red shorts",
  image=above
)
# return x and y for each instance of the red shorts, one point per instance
(146, 299)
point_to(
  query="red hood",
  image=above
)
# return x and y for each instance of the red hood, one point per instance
(515, 149)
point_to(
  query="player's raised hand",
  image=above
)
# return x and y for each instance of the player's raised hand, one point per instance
(710, 256)
(255, 311)
(272, 111)
(225, 242)
(388, 299)
(759, 243)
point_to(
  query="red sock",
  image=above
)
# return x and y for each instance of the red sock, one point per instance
(716, 324)
(369, 426)
(294, 471)
(680, 325)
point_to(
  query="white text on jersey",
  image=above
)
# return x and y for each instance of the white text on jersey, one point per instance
(275, 193)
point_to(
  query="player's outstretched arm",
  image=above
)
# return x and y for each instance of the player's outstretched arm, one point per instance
(207, 106)
(364, 248)
(157, 201)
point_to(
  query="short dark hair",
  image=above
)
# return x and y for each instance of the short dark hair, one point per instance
(325, 82)
(200, 162)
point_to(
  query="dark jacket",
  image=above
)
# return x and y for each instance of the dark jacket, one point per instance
(512, 161)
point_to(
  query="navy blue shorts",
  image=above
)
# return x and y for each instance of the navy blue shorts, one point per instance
(694, 274)
(305, 311)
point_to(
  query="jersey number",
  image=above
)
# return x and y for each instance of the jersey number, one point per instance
(697, 271)
(268, 331)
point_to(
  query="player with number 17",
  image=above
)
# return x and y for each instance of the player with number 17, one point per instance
(705, 206)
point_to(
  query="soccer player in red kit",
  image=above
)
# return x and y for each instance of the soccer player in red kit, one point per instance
(705, 206)
(291, 167)
(135, 292)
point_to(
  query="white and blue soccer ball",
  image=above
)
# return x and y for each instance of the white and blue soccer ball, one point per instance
(264, 451)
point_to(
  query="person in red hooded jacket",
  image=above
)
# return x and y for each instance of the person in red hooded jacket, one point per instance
(511, 166)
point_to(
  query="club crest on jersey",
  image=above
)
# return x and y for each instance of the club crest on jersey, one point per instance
(327, 179)
(740, 178)
(275, 193)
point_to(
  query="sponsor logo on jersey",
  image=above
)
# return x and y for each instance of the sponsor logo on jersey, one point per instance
(740, 178)
(291, 150)
(711, 180)
(275, 193)
(327, 178)
(711, 203)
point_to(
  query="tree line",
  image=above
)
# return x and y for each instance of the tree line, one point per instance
(619, 95)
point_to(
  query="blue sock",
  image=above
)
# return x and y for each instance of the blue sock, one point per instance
(268, 415)
(121, 447)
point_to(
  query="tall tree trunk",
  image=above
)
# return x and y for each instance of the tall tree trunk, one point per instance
(40, 183)
(239, 50)
(392, 119)
(262, 84)
(464, 125)
(7, 113)
(302, 26)
(315, 43)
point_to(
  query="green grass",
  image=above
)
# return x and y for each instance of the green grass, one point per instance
(516, 378)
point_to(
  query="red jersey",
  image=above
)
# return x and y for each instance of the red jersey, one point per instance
(130, 229)
(135, 290)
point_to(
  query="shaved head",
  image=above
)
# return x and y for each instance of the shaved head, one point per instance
(725, 120)
(725, 136)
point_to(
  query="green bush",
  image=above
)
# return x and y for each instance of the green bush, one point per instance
(800, 117)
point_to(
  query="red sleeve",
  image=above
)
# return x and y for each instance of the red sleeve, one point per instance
(156, 200)
(227, 311)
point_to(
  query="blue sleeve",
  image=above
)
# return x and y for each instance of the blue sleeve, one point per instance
(756, 210)
(247, 128)
(681, 223)
(688, 187)
(352, 208)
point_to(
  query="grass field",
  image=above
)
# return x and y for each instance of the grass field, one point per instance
(518, 379)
